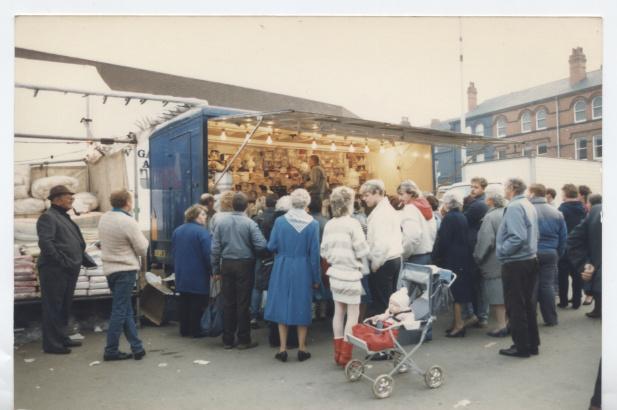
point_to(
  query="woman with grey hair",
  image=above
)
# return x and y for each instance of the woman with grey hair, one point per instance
(452, 251)
(417, 223)
(345, 248)
(295, 242)
(486, 258)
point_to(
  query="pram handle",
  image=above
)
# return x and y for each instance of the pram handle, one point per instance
(383, 329)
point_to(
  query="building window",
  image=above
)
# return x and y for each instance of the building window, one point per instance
(526, 122)
(597, 147)
(541, 119)
(468, 130)
(542, 149)
(596, 108)
(580, 148)
(501, 154)
(501, 127)
(580, 111)
(480, 129)
(527, 150)
(480, 157)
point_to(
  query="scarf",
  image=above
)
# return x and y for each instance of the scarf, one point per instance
(298, 218)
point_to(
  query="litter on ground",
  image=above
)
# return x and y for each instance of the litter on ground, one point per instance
(201, 362)
(29, 360)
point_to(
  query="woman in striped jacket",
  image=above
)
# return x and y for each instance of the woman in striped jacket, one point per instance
(345, 248)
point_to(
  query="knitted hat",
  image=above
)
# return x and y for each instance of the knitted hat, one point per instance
(400, 298)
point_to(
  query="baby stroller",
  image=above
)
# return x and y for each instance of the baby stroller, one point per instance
(428, 288)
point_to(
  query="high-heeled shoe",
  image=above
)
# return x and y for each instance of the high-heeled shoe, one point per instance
(499, 333)
(281, 356)
(459, 333)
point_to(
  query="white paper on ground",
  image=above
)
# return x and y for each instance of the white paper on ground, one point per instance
(94, 363)
(491, 344)
(462, 403)
(77, 336)
(29, 360)
(201, 362)
(162, 364)
(98, 329)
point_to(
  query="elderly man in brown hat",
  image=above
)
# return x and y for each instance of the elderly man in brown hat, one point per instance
(62, 254)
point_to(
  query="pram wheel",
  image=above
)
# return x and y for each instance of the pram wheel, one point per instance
(354, 370)
(383, 386)
(434, 377)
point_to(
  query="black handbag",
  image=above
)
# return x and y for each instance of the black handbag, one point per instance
(264, 270)
(88, 261)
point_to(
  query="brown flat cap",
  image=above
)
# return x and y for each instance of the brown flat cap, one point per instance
(59, 190)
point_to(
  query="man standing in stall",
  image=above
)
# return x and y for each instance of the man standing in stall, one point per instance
(317, 184)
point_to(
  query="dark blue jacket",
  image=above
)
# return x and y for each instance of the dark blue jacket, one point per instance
(552, 227)
(573, 212)
(190, 248)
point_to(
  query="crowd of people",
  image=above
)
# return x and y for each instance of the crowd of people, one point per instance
(511, 248)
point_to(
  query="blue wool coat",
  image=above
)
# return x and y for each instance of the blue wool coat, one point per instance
(190, 248)
(296, 268)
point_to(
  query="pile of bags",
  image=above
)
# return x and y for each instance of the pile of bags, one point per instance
(92, 282)
(26, 284)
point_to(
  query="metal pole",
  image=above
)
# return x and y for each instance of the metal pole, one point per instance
(244, 143)
(66, 161)
(462, 120)
(105, 141)
(557, 126)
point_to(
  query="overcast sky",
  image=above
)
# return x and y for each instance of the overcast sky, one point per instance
(379, 68)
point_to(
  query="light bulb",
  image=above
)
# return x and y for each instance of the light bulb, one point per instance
(352, 148)
(415, 154)
(269, 140)
(223, 135)
(427, 156)
(366, 150)
(314, 145)
(333, 147)
(382, 149)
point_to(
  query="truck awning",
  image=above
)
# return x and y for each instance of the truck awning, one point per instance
(305, 126)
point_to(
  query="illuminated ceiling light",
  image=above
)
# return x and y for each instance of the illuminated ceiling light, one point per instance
(269, 140)
(223, 135)
(382, 149)
(416, 154)
(352, 148)
(427, 156)
(333, 146)
(314, 144)
(366, 149)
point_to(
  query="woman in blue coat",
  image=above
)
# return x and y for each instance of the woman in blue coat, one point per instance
(295, 242)
(190, 248)
(452, 251)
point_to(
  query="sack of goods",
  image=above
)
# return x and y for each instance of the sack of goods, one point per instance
(98, 292)
(82, 285)
(29, 206)
(24, 230)
(41, 187)
(21, 175)
(21, 192)
(80, 292)
(85, 202)
(26, 285)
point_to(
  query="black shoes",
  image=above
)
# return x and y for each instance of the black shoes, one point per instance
(62, 350)
(594, 315)
(245, 346)
(302, 355)
(282, 356)
(514, 352)
(71, 343)
(117, 356)
(139, 355)
(499, 333)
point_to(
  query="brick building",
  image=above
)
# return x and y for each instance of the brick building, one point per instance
(561, 119)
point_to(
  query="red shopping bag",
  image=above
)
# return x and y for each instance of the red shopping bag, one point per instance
(375, 339)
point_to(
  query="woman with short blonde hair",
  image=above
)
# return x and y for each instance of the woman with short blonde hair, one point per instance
(345, 248)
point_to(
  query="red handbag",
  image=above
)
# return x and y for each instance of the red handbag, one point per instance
(375, 339)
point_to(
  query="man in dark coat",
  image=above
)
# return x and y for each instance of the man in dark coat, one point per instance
(62, 254)
(474, 210)
(585, 253)
(573, 212)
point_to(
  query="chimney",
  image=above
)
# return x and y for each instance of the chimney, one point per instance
(472, 97)
(405, 121)
(577, 62)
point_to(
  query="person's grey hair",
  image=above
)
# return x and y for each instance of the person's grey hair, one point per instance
(283, 204)
(373, 186)
(300, 198)
(495, 193)
(453, 200)
(341, 201)
(517, 185)
(409, 187)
